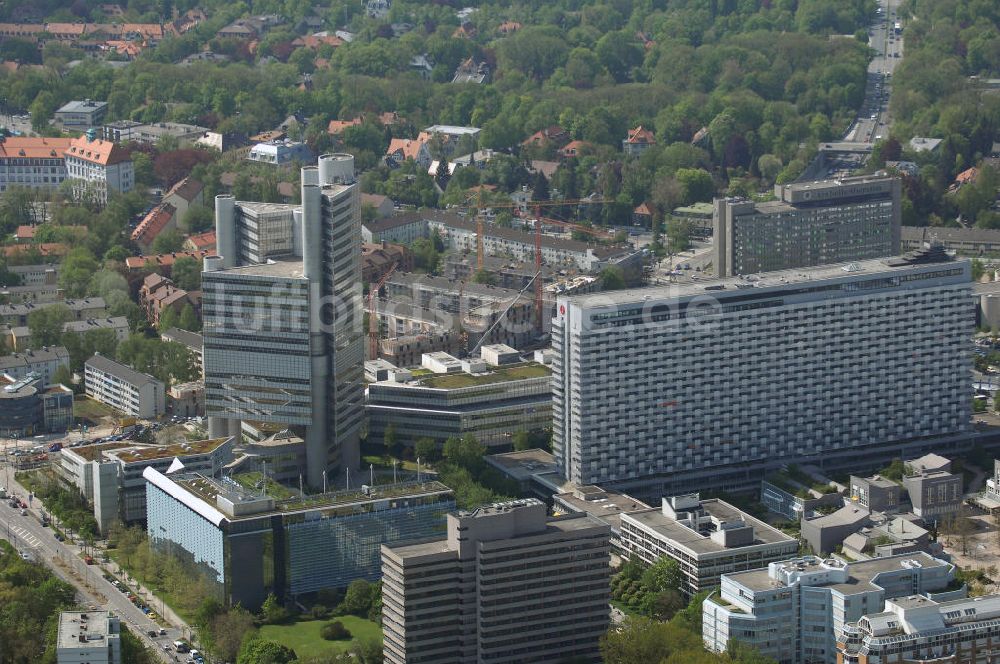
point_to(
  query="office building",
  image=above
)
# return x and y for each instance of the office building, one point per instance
(507, 584)
(920, 629)
(491, 403)
(934, 491)
(79, 116)
(38, 163)
(282, 311)
(673, 389)
(792, 611)
(98, 168)
(280, 153)
(88, 637)
(28, 406)
(123, 388)
(248, 545)
(707, 538)
(810, 223)
(109, 475)
(44, 362)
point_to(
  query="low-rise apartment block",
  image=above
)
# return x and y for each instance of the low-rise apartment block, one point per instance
(793, 611)
(44, 362)
(89, 307)
(707, 538)
(122, 387)
(508, 584)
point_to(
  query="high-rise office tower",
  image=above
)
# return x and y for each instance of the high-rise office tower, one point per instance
(507, 585)
(704, 385)
(282, 308)
(811, 223)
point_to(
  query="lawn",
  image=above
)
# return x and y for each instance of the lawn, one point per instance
(303, 636)
(88, 409)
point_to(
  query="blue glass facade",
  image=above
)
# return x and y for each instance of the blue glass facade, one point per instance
(291, 552)
(334, 550)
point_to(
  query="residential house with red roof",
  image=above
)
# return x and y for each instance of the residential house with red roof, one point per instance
(201, 242)
(638, 141)
(572, 149)
(182, 196)
(160, 219)
(337, 127)
(401, 149)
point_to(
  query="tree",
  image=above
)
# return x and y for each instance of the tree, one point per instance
(168, 242)
(522, 441)
(228, 630)
(335, 631)
(389, 439)
(188, 320)
(46, 324)
(272, 612)
(484, 277)
(540, 192)
(357, 599)
(664, 574)
(76, 270)
(679, 232)
(465, 452)
(612, 278)
(198, 218)
(696, 185)
(427, 449)
(169, 318)
(186, 273)
(261, 651)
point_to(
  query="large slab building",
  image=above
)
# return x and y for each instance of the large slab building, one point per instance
(663, 391)
(810, 223)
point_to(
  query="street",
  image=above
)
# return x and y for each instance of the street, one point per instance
(28, 536)
(873, 119)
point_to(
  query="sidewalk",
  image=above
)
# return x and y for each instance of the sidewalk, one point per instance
(167, 616)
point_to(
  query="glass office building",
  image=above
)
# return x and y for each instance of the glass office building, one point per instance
(286, 547)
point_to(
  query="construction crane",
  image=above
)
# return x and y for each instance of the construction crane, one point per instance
(373, 290)
(536, 206)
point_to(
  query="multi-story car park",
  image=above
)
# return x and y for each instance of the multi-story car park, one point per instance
(667, 390)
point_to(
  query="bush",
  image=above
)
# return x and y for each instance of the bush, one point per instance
(335, 631)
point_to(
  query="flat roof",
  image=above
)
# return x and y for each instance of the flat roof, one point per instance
(654, 519)
(284, 268)
(522, 465)
(83, 629)
(136, 454)
(778, 279)
(95, 452)
(861, 574)
(502, 374)
(606, 506)
(206, 490)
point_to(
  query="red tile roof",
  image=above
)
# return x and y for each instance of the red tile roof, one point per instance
(337, 126)
(164, 260)
(34, 148)
(25, 232)
(202, 241)
(45, 249)
(153, 224)
(97, 151)
(640, 135)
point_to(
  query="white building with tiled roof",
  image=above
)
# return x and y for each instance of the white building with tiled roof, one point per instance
(98, 167)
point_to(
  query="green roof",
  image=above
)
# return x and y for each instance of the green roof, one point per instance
(497, 375)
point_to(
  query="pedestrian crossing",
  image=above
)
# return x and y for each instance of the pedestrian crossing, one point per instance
(26, 536)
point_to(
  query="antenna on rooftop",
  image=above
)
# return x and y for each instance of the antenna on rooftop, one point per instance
(301, 490)
(348, 471)
(324, 481)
